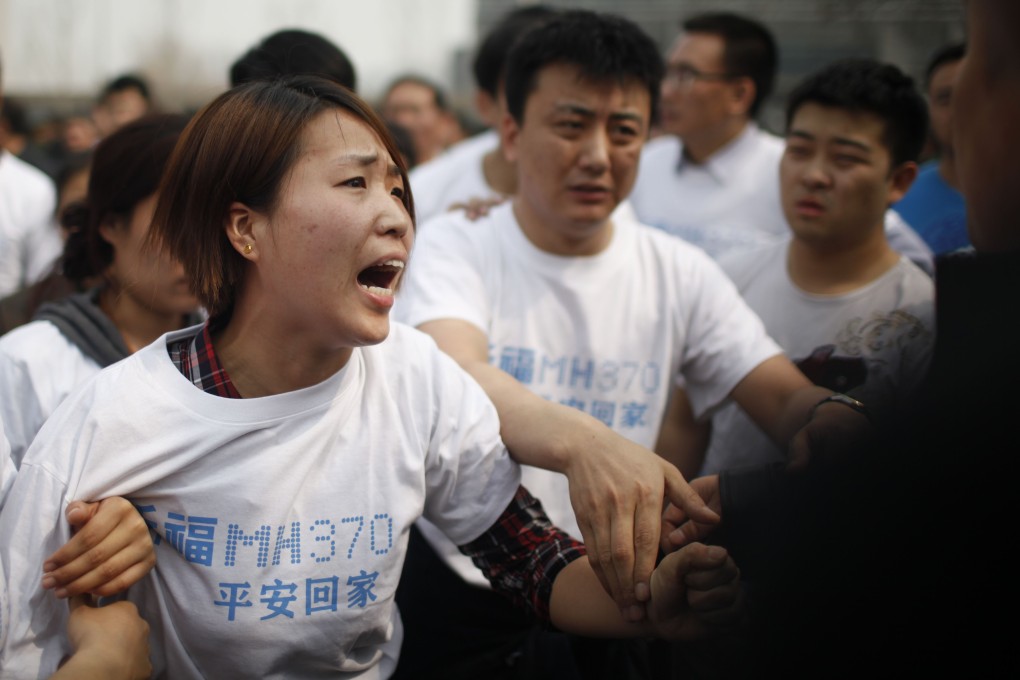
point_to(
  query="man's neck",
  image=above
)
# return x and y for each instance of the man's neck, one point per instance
(947, 169)
(589, 240)
(822, 269)
(698, 148)
(500, 174)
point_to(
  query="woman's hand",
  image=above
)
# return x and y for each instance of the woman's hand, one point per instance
(110, 550)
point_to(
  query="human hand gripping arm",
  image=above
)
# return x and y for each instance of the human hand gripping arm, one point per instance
(110, 550)
(616, 487)
(695, 591)
(109, 642)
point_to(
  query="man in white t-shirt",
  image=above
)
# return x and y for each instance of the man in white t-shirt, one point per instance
(574, 319)
(855, 315)
(29, 241)
(712, 177)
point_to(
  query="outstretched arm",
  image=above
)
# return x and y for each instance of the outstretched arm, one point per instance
(782, 401)
(695, 591)
(110, 550)
(617, 488)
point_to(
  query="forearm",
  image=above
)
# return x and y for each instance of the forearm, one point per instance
(796, 412)
(580, 605)
(682, 439)
(537, 432)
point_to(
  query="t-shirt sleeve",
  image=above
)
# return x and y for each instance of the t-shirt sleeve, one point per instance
(445, 278)
(32, 527)
(725, 338)
(469, 476)
(20, 409)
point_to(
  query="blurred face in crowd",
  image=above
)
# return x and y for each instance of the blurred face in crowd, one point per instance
(150, 278)
(940, 105)
(836, 176)
(698, 96)
(413, 106)
(118, 109)
(577, 150)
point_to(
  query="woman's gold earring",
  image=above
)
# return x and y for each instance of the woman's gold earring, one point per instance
(247, 249)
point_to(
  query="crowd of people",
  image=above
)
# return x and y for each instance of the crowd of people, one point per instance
(621, 385)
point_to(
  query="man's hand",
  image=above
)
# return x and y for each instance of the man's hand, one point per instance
(617, 490)
(834, 432)
(696, 591)
(111, 549)
(678, 528)
(476, 208)
(109, 642)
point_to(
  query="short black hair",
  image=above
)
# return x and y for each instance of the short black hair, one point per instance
(437, 92)
(14, 113)
(868, 86)
(604, 47)
(294, 52)
(750, 50)
(492, 52)
(944, 55)
(123, 83)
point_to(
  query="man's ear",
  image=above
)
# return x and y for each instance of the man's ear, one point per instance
(509, 131)
(744, 93)
(241, 230)
(901, 178)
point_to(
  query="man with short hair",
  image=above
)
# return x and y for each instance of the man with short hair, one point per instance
(29, 241)
(419, 106)
(294, 52)
(711, 177)
(575, 319)
(853, 314)
(934, 206)
(122, 100)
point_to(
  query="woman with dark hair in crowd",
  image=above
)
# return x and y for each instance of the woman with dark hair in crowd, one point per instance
(141, 295)
(283, 449)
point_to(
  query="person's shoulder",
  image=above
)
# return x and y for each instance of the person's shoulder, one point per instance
(743, 266)
(765, 145)
(35, 342)
(23, 180)
(448, 165)
(914, 281)
(661, 152)
(668, 245)
(455, 225)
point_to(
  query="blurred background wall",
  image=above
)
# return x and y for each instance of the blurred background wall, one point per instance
(57, 54)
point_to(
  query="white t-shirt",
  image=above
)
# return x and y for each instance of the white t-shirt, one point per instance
(29, 242)
(607, 334)
(282, 521)
(728, 203)
(39, 367)
(455, 176)
(874, 343)
(7, 474)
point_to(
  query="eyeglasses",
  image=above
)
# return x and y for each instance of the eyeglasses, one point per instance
(686, 75)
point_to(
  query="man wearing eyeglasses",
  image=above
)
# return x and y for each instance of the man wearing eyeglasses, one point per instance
(712, 177)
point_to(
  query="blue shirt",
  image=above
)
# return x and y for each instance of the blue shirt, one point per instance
(935, 210)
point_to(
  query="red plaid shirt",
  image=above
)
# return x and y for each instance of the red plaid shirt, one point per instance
(521, 554)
